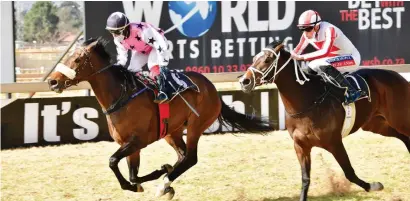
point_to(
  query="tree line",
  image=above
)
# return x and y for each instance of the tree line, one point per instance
(46, 22)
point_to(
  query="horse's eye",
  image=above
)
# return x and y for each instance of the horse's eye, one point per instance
(268, 59)
(77, 60)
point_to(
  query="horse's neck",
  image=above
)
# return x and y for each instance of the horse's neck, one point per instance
(296, 97)
(107, 88)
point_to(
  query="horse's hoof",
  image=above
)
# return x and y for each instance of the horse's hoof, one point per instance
(133, 187)
(168, 168)
(376, 186)
(140, 189)
(169, 193)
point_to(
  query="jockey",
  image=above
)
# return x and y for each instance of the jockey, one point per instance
(333, 49)
(147, 44)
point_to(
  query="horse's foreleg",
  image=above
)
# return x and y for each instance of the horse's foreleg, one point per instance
(339, 152)
(133, 166)
(303, 154)
(125, 150)
(153, 175)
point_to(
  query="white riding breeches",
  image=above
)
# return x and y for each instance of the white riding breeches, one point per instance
(138, 60)
(347, 60)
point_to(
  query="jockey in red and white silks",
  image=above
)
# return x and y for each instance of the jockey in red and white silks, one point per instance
(333, 49)
(147, 43)
(329, 41)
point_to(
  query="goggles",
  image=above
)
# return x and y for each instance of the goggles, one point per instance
(306, 28)
(116, 32)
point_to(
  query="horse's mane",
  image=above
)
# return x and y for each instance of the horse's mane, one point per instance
(99, 48)
(119, 73)
(274, 44)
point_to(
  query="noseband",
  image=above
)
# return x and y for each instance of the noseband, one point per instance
(71, 74)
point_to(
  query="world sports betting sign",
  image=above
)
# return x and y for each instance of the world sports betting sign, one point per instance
(54, 121)
(214, 37)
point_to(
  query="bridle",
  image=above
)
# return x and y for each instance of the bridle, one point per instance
(71, 74)
(274, 66)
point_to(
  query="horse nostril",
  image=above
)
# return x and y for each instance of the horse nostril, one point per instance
(246, 81)
(52, 82)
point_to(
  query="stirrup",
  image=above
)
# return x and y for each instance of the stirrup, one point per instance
(158, 100)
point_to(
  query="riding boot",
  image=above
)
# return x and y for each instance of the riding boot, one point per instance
(352, 93)
(162, 79)
(161, 96)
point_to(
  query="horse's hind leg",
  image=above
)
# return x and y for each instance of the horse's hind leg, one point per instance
(380, 125)
(403, 138)
(339, 152)
(391, 132)
(196, 126)
(176, 142)
(133, 161)
(180, 167)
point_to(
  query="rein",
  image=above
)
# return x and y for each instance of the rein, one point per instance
(274, 66)
(71, 74)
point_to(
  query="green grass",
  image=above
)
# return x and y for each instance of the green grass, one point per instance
(241, 167)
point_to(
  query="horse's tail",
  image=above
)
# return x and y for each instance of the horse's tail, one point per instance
(242, 122)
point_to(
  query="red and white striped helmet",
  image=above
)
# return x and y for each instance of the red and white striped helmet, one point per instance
(309, 18)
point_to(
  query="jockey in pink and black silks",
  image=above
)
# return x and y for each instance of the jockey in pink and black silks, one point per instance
(147, 44)
(333, 49)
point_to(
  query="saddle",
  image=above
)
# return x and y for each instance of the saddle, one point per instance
(136, 84)
(175, 83)
(355, 80)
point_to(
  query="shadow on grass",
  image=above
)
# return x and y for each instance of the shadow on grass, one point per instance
(354, 195)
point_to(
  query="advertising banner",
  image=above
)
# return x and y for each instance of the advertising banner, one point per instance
(52, 121)
(216, 37)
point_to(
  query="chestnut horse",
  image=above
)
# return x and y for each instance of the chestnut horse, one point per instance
(314, 114)
(135, 125)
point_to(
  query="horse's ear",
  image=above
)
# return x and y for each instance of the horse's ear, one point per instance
(278, 48)
(92, 45)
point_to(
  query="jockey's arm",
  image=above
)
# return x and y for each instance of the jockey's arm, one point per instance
(122, 54)
(330, 36)
(154, 39)
(301, 46)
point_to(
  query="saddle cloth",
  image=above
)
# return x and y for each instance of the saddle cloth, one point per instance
(360, 84)
(176, 83)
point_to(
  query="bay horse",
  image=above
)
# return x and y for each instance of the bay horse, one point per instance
(314, 114)
(135, 125)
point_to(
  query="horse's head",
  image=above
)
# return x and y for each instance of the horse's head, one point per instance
(82, 64)
(263, 69)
